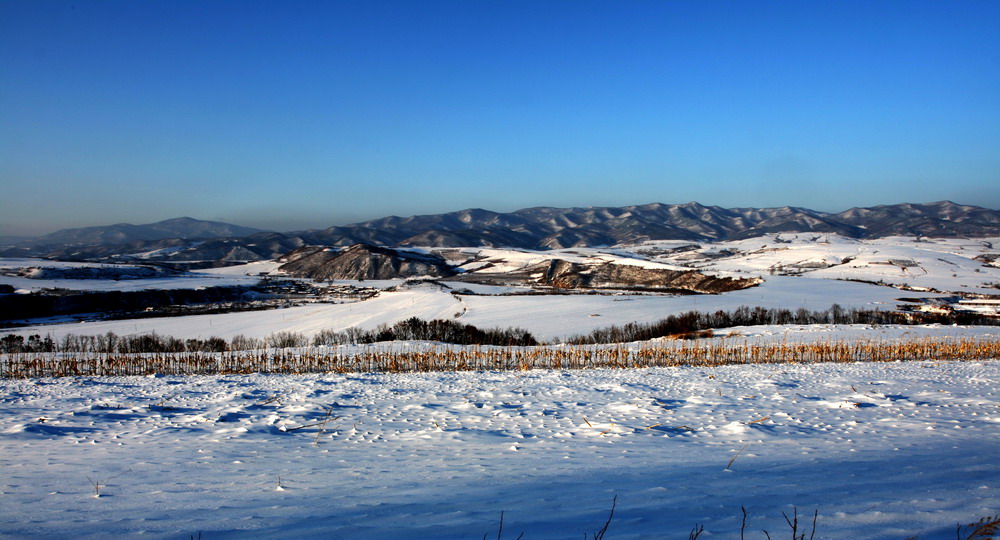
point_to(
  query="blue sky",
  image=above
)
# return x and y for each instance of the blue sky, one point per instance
(293, 115)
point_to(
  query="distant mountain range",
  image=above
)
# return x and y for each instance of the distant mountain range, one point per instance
(124, 233)
(186, 239)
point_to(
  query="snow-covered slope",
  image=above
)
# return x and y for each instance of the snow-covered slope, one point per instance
(941, 264)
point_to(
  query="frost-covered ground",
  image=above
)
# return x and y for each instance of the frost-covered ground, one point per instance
(880, 450)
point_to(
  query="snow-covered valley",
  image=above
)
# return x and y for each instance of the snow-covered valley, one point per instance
(873, 450)
(797, 271)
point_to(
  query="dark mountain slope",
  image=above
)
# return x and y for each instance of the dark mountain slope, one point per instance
(943, 218)
(362, 261)
(124, 233)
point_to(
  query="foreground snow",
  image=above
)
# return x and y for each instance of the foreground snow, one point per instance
(880, 450)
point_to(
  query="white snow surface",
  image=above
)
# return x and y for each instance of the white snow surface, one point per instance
(944, 264)
(548, 317)
(880, 451)
(554, 317)
(824, 262)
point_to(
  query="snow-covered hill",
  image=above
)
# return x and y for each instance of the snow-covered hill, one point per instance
(958, 265)
(799, 271)
(874, 450)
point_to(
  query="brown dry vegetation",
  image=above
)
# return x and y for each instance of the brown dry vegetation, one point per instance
(490, 358)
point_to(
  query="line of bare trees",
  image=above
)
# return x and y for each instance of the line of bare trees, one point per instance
(412, 329)
(694, 321)
(446, 331)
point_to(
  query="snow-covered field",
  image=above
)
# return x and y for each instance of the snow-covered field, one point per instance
(246, 274)
(946, 264)
(820, 265)
(547, 317)
(879, 450)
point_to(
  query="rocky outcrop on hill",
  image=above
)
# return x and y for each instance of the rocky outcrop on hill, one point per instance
(562, 274)
(362, 261)
(565, 275)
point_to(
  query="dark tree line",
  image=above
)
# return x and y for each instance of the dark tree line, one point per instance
(112, 343)
(65, 302)
(694, 321)
(447, 331)
(412, 329)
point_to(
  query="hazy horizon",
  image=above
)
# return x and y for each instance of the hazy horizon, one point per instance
(313, 114)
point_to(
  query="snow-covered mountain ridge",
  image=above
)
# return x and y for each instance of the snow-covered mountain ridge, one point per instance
(530, 228)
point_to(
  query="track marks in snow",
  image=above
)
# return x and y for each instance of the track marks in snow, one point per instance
(365, 445)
